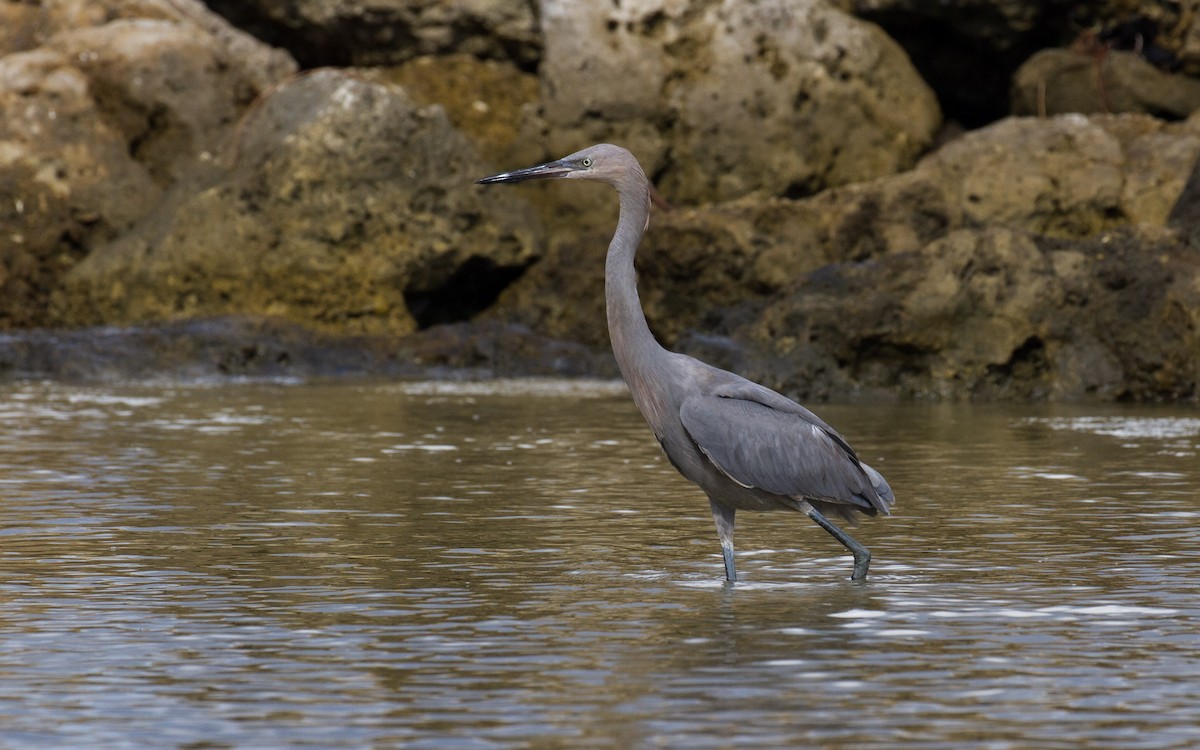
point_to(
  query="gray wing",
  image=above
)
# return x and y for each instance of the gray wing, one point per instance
(761, 439)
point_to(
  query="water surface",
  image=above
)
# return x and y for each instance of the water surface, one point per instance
(515, 565)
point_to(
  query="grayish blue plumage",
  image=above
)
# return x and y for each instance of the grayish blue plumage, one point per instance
(746, 446)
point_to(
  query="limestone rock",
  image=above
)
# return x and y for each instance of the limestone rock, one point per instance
(1070, 177)
(992, 313)
(107, 106)
(1055, 81)
(484, 99)
(348, 208)
(387, 32)
(27, 26)
(155, 164)
(1184, 216)
(728, 98)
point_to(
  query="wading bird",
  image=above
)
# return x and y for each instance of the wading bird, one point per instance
(746, 446)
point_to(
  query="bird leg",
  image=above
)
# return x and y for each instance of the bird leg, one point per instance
(862, 556)
(724, 518)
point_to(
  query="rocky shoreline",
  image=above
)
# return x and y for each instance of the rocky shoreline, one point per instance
(265, 188)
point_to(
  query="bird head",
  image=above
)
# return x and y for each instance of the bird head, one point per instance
(602, 162)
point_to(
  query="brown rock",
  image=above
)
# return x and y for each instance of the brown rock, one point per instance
(348, 208)
(106, 111)
(483, 98)
(1057, 81)
(992, 314)
(388, 32)
(730, 98)
(1069, 176)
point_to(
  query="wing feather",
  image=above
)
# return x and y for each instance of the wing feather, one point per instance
(780, 447)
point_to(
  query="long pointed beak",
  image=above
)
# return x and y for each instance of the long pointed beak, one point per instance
(540, 172)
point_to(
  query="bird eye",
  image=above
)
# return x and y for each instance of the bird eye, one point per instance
(586, 161)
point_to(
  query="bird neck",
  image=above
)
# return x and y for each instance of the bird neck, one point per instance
(632, 341)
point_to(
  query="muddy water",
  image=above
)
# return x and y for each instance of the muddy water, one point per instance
(515, 565)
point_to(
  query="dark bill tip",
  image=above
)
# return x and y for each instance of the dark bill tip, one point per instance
(540, 172)
(497, 178)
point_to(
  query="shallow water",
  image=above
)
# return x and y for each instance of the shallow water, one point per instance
(515, 564)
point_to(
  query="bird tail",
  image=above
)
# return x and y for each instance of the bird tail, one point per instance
(886, 497)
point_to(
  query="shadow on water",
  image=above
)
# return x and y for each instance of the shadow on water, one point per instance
(510, 564)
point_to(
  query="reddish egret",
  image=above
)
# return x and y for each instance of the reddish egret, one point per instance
(746, 446)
